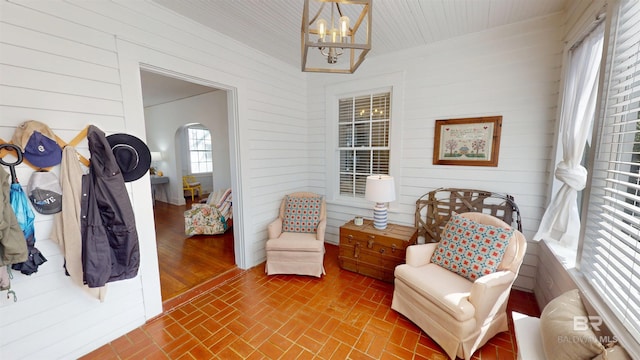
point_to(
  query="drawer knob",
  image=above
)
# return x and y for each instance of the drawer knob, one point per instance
(381, 250)
(393, 248)
(370, 244)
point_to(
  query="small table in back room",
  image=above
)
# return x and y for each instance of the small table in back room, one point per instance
(155, 182)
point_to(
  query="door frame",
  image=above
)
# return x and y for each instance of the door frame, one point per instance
(132, 59)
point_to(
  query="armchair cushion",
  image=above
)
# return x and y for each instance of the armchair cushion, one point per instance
(471, 249)
(450, 292)
(301, 214)
(295, 242)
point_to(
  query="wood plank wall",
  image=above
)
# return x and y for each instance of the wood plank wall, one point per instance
(69, 64)
(513, 71)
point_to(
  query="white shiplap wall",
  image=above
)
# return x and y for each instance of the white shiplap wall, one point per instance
(163, 128)
(74, 63)
(513, 71)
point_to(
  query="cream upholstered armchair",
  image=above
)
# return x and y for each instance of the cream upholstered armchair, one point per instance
(457, 290)
(296, 237)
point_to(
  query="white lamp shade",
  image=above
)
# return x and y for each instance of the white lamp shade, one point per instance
(156, 156)
(380, 188)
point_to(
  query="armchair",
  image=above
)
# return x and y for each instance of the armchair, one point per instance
(459, 314)
(296, 237)
(213, 217)
(189, 183)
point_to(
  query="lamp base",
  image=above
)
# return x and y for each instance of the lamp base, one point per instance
(380, 216)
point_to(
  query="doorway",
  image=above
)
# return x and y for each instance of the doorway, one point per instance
(170, 105)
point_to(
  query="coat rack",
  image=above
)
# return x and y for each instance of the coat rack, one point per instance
(74, 142)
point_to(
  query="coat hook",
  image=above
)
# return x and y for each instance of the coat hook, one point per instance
(12, 165)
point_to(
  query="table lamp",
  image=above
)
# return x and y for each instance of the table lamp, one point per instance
(155, 157)
(381, 190)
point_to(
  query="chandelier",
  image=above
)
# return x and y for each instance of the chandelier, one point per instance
(335, 46)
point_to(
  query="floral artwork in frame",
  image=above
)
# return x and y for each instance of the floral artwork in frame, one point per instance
(467, 141)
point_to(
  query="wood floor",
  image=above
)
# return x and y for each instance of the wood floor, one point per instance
(188, 262)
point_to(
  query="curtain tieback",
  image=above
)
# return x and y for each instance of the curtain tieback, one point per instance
(575, 177)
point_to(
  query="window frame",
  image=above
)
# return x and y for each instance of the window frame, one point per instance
(189, 151)
(605, 120)
(358, 126)
(602, 119)
(392, 83)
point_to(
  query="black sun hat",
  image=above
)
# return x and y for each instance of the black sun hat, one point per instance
(131, 154)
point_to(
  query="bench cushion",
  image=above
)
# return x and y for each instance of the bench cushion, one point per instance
(566, 333)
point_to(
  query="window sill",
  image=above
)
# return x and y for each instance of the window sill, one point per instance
(352, 202)
(566, 256)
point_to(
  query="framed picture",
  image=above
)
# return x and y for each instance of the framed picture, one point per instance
(468, 142)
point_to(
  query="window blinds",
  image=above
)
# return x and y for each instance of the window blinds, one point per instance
(363, 140)
(610, 258)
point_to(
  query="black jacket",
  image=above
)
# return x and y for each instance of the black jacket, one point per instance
(110, 249)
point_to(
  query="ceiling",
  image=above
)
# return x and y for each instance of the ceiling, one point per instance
(273, 27)
(159, 89)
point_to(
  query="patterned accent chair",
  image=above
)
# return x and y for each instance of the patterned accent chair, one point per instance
(296, 237)
(459, 309)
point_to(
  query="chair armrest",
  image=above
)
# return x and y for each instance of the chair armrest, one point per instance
(322, 227)
(489, 294)
(420, 254)
(274, 229)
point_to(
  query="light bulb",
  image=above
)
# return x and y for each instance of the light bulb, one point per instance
(344, 27)
(334, 35)
(322, 29)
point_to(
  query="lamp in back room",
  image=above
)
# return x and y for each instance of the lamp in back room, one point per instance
(156, 156)
(381, 190)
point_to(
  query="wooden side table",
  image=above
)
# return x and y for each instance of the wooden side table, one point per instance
(372, 252)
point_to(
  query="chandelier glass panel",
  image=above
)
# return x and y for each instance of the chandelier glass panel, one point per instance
(336, 37)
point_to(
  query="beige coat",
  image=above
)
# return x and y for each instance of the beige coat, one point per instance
(66, 225)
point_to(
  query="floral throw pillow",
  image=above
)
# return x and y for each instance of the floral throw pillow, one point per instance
(471, 249)
(301, 214)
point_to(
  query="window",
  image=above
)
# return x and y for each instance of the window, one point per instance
(561, 221)
(200, 158)
(363, 140)
(610, 256)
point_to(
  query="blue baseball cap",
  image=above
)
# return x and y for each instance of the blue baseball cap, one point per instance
(42, 151)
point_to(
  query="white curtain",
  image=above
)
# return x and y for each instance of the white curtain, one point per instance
(561, 221)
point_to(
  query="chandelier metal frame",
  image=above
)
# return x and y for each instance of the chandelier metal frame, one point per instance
(332, 49)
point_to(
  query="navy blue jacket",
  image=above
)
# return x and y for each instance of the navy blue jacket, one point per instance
(110, 249)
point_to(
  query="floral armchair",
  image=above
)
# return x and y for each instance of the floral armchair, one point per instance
(211, 218)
